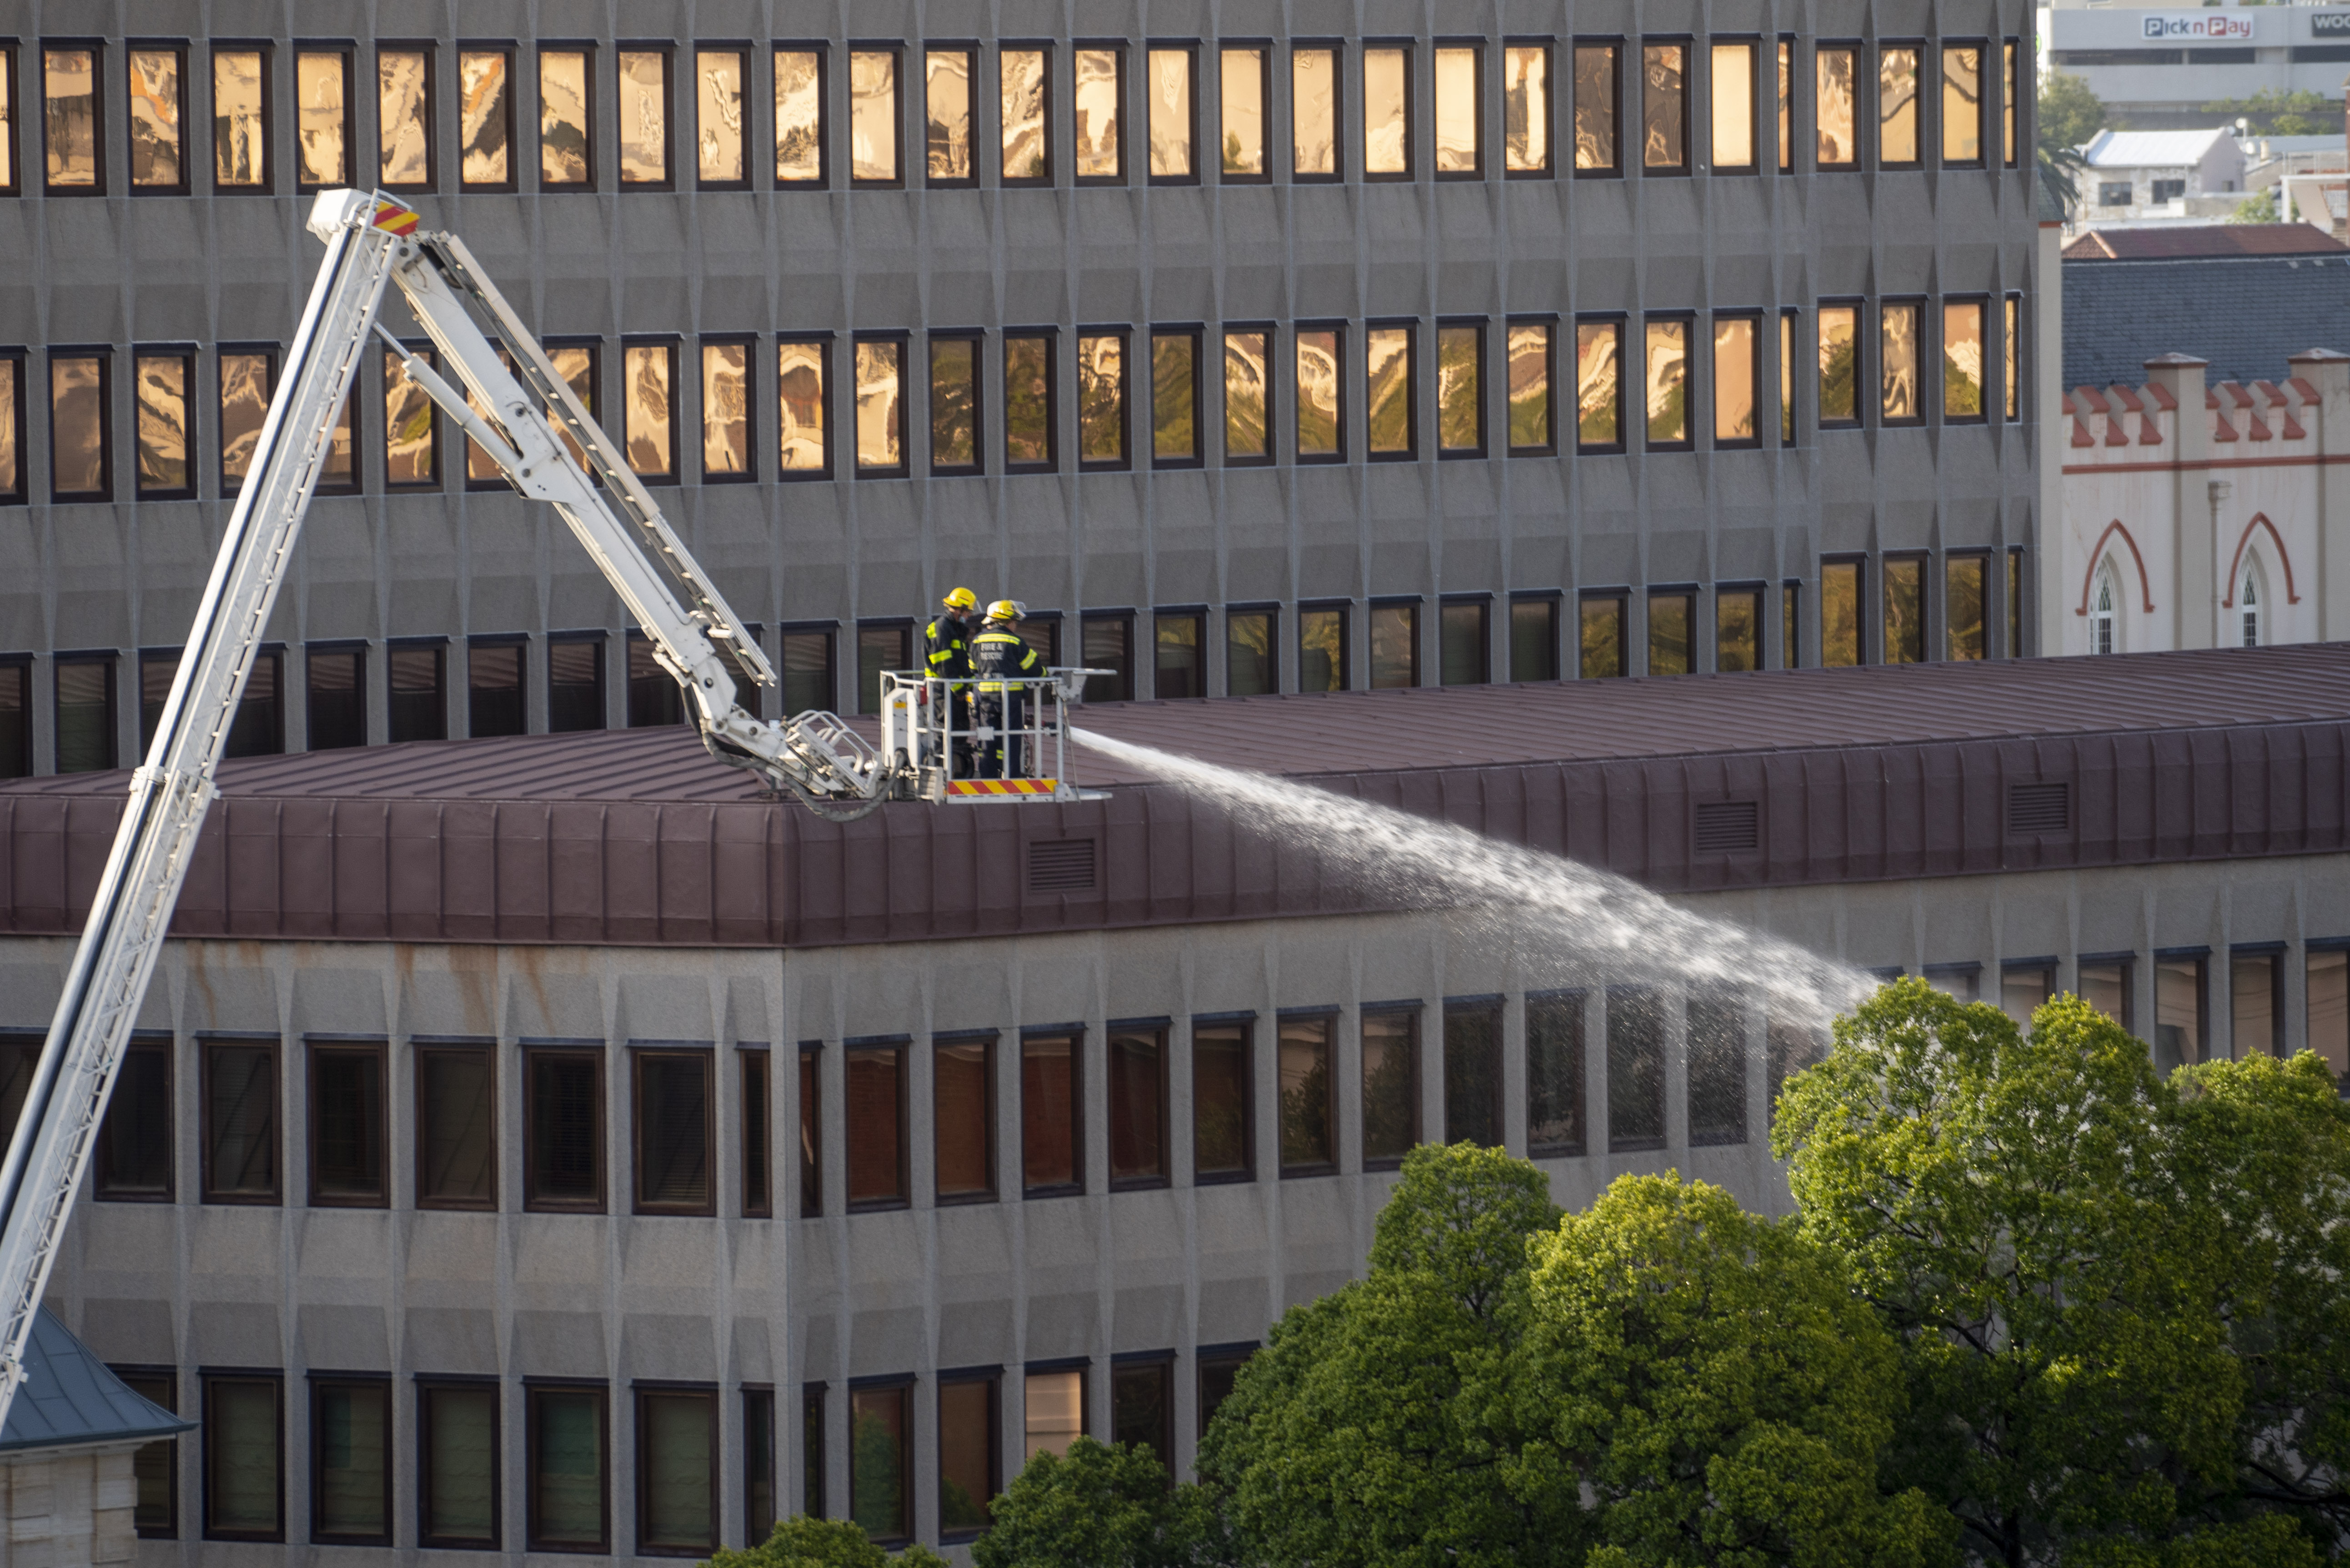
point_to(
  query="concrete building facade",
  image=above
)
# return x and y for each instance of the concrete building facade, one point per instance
(1329, 321)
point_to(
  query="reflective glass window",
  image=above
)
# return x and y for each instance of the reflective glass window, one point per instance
(1248, 427)
(1899, 360)
(1387, 112)
(1840, 614)
(1171, 88)
(1962, 359)
(1905, 610)
(1314, 113)
(1100, 137)
(1321, 663)
(1839, 348)
(164, 466)
(1664, 108)
(873, 128)
(404, 119)
(1389, 401)
(720, 117)
(411, 421)
(726, 410)
(1533, 421)
(1736, 368)
(1962, 104)
(880, 411)
(1526, 109)
(1732, 114)
(643, 76)
(1319, 434)
(1028, 434)
(566, 117)
(158, 114)
(1175, 397)
(79, 427)
(1834, 121)
(1672, 634)
(799, 117)
(322, 118)
(1965, 600)
(946, 114)
(1460, 388)
(1460, 146)
(485, 118)
(1666, 379)
(1243, 106)
(1250, 668)
(1738, 628)
(1897, 106)
(71, 137)
(647, 381)
(1025, 94)
(1395, 647)
(1309, 1101)
(1597, 82)
(954, 403)
(803, 429)
(1600, 650)
(1101, 398)
(1597, 375)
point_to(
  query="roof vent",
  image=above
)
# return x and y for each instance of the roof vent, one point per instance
(1061, 866)
(1728, 828)
(2039, 808)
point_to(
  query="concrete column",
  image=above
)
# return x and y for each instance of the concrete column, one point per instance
(2192, 613)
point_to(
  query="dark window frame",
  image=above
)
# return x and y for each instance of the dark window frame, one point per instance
(1619, 1142)
(977, 338)
(667, 50)
(1714, 380)
(1163, 1030)
(1986, 126)
(745, 53)
(1272, 453)
(1493, 1008)
(588, 1051)
(673, 344)
(593, 107)
(185, 353)
(1197, 333)
(991, 1378)
(1267, 48)
(1475, 45)
(756, 1126)
(424, 351)
(1863, 111)
(995, 118)
(165, 1046)
(899, 107)
(1075, 1034)
(430, 49)
(1222, 1176)
(987, 1040)
(639, 1052)
(1621, 322)
(425, 1387)
(1100, 688)
(1337, 49)
(320, 1382)
(970, 50)
(532, 1388)
(1206, 1358)
(1578, 999)
(210, 1450)
(757, 1400)
(310, 652)
(1124, 461)
(421, 1047)
(132, 1374)
(181, 187)
(110, 662)
(1617, 43)
(821, 49)
(813, 1451)
(520, 642)
(1409, 327)
(641, 1393)
(1411, 45)
(315, 1047)
(103, 354)
(904, 467)
(1192, 47)
(1723, 1136)
(347, 51)
(1861, 361)
(809, 1128)
(1548, 447)
(206, 1046)
(1755, 100)
(901, 1046)
(1482, 601)
(750, 344)
(1302, 459)
(902, 1384)
(1126, 1363)
(11, 139)
(1345, 610)
(1929, 128)
(1929, 360)
(1330, 1018)
(1050, 336)
(20, 494)
(1691, 401)
(822, 343)
(1125, 175)
(1414, 1011)
(1687, 167)
(1990, 381)
(587, 637)
(1479, 325)
(37, 101)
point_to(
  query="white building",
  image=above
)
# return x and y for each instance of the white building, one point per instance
(2154, 176)
(2162, 67)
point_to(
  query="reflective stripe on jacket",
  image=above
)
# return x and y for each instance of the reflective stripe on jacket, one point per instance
(1001, 653)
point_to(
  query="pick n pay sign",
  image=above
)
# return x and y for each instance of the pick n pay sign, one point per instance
(2170, 25)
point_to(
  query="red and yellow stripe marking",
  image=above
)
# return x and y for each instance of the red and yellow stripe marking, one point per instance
(393, 218)
(983, 787)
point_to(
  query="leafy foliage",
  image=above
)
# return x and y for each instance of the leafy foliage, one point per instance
(2259, 209)
(803, 1542)
(2275, 111)
(1100, 1507)
(2068, 114)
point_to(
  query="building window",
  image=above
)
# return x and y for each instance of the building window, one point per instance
(1534, 420)
(1109, 645)
(350, 1462)
(954, 404)
(2113, 194)
(154, 1467)
(1322, 652)
(1602, 650)
(1463, 641)
(812, 1450)
(157, 671)
(74, 134)
(1472, 1073)
(1737, 379)
(806, 671)
(456, 1128)
(2181, 1009)
(1663, 109)
(1395, 646)
(1834, 119)
(648, 405)
(1840, 620)
(880, 408)
(726, 412)
(1839, 365)
(1965, 605)
(1142, 1404)
(1599, 95)
(968, 1466)
(1555, 1075)
(655, 699)
(457, 1467)
(804, 444)
(245, 1458)
(1717, 1071)
(1173, 119)
(15, 718)
(1053, 1410)
(346, 1127)
(566, 120)
(879, 648)
(1672, 633)
(336, 682)
(1636, 1068)
(1732, 108)
(412, 427)
(1026, 92)
(1181, 655)
(259, 728)
(1321, 415)
(875, 128)
(1101, 400)
(1786, 378)
(1962, 106)
(881, 1498)
(677, 1471)
(1175, 399)
(2256, 1002)
(757, 1172)
(1029, 403)
(759, 1512)
(568, 1468)
(2105, 984)
(2248, 607)
(1241, 102)
(1138, 1106)
(1309, 1146)
(574, 684)
(1223, 1091)
(2011, 346)
(643, 77)
(485, 119)
(1460, 118)
(674, 1118)
(1533, 639)
(404, 119)
(947, 77)
(2009, 100)
(2327, 976)
(240, 1095)
(12, 388)
(563, 1134)
(1899, 361)
(1052, 1128)
(158, 111)
(1387, 113)
(1905, 609)
(2015, 604)
(1250, 664)
(876, 1127)
(1789, 1049)
(1248, 424)
(85, 714)
(1391, 402)
(811, 1121)
(135, 1140)
(161, 382)
(81, 444)
(1737, 628)
(1526, 110)
(1786, 72)
(1598, 395)
(1962, 361)
(322, 120)
(2024, 989)
(722, 126)
(962, 1082)
(493, 689)
(1314, 114)
(1099, 103)
(799, 121)
(1898, 141)
(1391, 1085)
(1666, 377)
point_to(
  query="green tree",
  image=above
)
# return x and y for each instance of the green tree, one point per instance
(800, 1541)
(1100, 1507)
(2015, 1208)
(2259, 209)
(2274, 111)
(1708, 1380)
(2068, 114)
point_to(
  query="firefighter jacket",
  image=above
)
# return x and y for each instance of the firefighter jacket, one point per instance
(946, 650)
(998, 652)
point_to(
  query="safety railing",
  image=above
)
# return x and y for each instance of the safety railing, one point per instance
(1000, 739)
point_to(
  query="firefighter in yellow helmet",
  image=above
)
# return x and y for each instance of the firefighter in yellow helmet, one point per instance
(996, 653)
(946, 656)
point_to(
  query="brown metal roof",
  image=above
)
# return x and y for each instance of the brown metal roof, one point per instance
(2195, 242)
(1853, 775)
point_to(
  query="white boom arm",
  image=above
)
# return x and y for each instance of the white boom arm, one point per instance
(370, 243)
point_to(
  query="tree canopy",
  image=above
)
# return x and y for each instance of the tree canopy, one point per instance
(2276, 112)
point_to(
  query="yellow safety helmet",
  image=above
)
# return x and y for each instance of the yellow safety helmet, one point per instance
(960, 599)
(1006, 609)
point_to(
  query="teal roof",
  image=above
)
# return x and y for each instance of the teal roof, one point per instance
(70, 1397)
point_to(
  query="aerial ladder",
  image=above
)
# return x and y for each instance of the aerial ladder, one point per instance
(935, 743)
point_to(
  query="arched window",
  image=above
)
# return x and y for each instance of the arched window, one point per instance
(2101, 615)
(2247, 605)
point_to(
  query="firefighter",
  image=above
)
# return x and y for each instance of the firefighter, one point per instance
(946, 656)
(998, 652)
